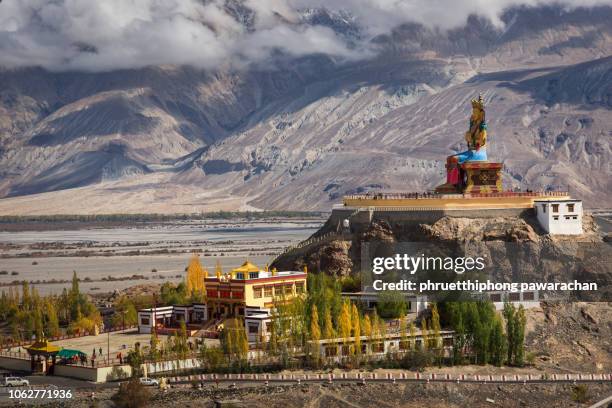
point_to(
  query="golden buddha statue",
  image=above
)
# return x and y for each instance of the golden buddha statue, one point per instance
(469, 171)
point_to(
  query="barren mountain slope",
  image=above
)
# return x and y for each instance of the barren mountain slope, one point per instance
(304, 133)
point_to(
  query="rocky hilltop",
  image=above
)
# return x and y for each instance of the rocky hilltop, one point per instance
(311, 129)
(514, 246)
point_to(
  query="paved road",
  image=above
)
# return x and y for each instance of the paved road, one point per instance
(38, 382)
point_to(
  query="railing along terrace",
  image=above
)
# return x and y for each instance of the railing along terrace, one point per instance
(428, 195)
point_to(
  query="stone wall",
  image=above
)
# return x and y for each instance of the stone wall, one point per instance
(360, 219)
(15, 364)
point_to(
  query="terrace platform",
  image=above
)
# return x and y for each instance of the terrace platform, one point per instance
(456, 201)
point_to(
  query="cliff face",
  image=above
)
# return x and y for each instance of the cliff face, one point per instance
(515, 249)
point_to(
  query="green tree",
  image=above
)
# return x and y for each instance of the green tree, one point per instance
(436, 340)
(510, 317)
(520, 323)
(315, 332)
(52, 327)
(498, 343)
(391, 304)
(26, 299)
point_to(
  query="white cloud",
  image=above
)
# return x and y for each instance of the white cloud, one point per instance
(111, 34)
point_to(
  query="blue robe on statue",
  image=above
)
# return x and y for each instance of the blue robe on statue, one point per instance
(472, 155)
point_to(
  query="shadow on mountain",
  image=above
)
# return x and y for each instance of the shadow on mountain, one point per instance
(587, 85)
(82, 169)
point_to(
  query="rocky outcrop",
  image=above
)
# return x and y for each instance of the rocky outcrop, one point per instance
(571, 336)
(515, 249)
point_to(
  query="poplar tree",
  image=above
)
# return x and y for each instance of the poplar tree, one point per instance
(367, 326)
(328, 329)
(498, 342)
(356, 329)
(315, 331)
(424, 333)
(520, 322)
(435, 326)
(412, 336)
(26, 300)
(52, 328)
(403, 333)
(344, 322)
(509, 315)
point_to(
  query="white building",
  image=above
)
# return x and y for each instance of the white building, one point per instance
(168, 316)
(528, 299)
(377, 346)
(369, 298)
(257, 324)
(560, 217)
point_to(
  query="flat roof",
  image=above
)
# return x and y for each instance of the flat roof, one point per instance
(561, 199)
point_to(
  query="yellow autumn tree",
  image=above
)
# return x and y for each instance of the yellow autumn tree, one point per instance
(424, 333)
(367, 330)
(328, 329)
(344, 322)
(367, 326)
(356, 329)
(412, 336)
(195, 276)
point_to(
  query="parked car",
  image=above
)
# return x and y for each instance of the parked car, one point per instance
(16, 382)
(149, 381)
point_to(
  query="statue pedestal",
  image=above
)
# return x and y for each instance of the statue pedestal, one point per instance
(482, 177)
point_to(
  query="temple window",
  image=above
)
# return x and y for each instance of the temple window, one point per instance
(556, 218)
(256, 293)
(299, 287)
(570, 208)
(253, 329)
(269, 291)
(544, 208)
(555, 208)
(145, 321)
(240, 275)
(253, 275)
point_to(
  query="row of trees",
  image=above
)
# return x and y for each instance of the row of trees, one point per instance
(28, 314)
(480, 335)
